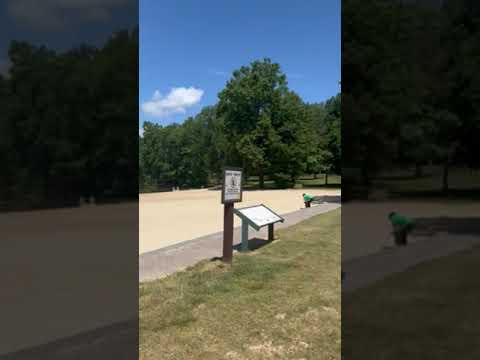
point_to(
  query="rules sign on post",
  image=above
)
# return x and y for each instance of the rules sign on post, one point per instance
(232, 185)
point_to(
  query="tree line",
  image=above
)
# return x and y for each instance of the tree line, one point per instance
(68, 123)
(258, 124)
(410, 86)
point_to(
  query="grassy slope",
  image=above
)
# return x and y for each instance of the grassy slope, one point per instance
(281, 301)
(428, 312)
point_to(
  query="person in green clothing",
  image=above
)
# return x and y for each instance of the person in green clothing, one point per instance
(307, 199)
(402, 226)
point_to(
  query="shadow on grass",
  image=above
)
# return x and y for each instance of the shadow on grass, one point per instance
(300, 186)
(461, 194)
(269, 185)
(352, 192)
(266, 187)
(323, 186)
(253, 244)
(460, 226)
(403, 177)
(327, 199)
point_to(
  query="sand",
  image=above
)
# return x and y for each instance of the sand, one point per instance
(366, 229)
(66, 271)
(171, 217)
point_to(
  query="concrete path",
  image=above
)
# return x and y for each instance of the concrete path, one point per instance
(117, 341)
(366, 270)
(159, 263)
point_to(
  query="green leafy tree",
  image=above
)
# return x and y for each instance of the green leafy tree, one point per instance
(65, 115)
(266, 121)
(249, 105)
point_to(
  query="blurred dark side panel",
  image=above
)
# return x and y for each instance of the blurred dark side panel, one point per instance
(411, 165)
(69, 179)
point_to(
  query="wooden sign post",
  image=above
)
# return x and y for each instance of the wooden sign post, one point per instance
(231, 193)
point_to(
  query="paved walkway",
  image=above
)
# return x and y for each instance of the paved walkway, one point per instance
(118, 341)
(366, 270)
(159, 263)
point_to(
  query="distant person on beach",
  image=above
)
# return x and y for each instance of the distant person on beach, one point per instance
(307, 199)
(402, 226)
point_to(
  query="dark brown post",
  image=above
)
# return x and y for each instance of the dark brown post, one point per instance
(270, 232)
(228, 232)
(231, 193)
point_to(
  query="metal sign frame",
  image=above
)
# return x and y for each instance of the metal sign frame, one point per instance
(246, 221)
(225, 169)
(252, 223)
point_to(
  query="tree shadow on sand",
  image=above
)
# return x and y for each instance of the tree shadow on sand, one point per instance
(459, 226)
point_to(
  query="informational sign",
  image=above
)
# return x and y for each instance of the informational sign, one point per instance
(259, 215)
(232, 185)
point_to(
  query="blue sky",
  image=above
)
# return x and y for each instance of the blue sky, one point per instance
(188, 49)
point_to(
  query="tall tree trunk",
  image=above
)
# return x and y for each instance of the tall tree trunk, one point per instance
(261, 178)
(326, 177)
(365, 176)
(293, 180)
(315, 175)
(446, 169)
(418, 170)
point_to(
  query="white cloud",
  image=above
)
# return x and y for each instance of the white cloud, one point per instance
(175, 102)
(52, 14)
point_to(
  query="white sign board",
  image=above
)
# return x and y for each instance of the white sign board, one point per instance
(260, 215)
(232, 186)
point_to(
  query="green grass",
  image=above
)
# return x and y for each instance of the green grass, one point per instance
(281, 301)
(333, 180)
(459, 179)
(428, 312)
(254, 184)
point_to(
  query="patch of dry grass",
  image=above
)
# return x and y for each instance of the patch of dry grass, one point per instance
(427, 312)
(280, 302)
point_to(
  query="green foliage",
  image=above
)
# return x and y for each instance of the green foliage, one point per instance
(411, 95)
(268, 121)
(65, 118)
(258, 124)
(325, 154)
